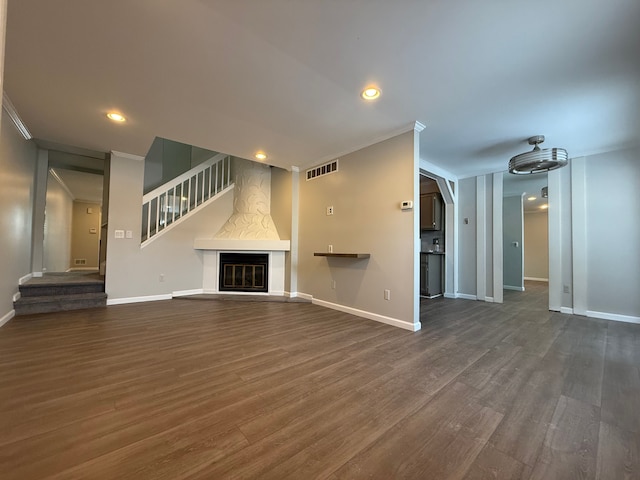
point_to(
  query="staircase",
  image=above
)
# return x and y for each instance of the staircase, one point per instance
(56, 292)
(168, 205)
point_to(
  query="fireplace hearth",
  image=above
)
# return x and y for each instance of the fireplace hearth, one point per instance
(244, 272)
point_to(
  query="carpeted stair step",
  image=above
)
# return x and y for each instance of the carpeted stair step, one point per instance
(58, 303)
(67, 288)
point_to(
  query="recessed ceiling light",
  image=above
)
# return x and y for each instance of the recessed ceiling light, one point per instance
(370, 93)
(544, 207)
(261, 156)
(116, 117)
(531, 198)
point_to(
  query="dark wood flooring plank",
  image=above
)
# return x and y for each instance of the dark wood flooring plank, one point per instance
(618, 453)
(570, 446)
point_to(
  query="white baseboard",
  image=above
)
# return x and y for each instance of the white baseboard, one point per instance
(535, 279)
(304, 296)
(5, 318)
(369, 315)
(83, 269)
(613, 316)
(466, 296)
(489, 299)
(26, 278)
(149, 298)
(37, 274)
(566, 310)
(16, 296)
(450, 295)
(511, 287)
(184, 293)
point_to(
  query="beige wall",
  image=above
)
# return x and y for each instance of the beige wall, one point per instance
(84, 243)
(57, 227)
(536, 245)
(17, 169)
(366, 193)
(282, 211)
(133, 272)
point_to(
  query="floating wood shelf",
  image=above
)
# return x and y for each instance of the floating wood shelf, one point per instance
(342, 255)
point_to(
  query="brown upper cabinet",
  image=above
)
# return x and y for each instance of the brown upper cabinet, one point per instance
(430, 211)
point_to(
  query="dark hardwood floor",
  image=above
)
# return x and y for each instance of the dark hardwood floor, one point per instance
(187, 389)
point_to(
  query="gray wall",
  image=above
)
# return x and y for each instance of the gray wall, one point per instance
(134, 272)
(467, 236)
(57, 227)
(512, 232)
(612, 191)
(536, 245)
(366, 193)
(17, 167)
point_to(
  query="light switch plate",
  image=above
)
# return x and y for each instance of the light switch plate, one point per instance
(119, 233)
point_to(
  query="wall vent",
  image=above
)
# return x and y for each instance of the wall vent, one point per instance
(325, 169)
(80, 261)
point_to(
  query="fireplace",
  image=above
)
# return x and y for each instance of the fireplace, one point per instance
(244, 272)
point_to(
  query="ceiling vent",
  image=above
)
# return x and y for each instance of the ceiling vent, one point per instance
(325, 169)
(537, 160)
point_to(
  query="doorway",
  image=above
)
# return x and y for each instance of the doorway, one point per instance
(526, 238)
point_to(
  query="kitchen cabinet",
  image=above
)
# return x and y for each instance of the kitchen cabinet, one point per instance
(431, 274)
(430, 211)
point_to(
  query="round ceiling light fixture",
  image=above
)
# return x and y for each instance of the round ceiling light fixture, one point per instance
(261, 155)
(116, 117)
(370, 93)
(537, 160)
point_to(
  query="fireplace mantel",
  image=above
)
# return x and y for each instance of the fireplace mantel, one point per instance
(242, 245)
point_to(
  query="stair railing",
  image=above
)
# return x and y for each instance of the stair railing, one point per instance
(169, 204)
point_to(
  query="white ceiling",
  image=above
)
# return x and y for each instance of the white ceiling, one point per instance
(284, 76)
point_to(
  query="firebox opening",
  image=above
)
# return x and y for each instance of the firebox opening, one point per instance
(244, 272)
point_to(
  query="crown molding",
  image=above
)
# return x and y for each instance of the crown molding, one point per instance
(129, 156)
(15, 118)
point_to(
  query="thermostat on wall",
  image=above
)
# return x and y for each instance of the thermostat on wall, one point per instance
(406, 205)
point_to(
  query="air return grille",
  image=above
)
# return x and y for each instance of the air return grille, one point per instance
(325, 169)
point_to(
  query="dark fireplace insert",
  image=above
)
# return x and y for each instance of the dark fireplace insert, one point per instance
(244, 272)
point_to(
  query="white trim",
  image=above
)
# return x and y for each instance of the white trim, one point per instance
(536, 279)
(15, 118)
(489, 299)
(419, 127)
(369, 315)
(613, 316)
(37, 274)
(148, 298)
(184, 293)
(5, 319)
(567, 310)
(511, 287)
(466, 296)
(233, 245)
(26, 278)
(16, 296)
(129, 156)
(449, 295)
(55, 175)
(481, 237)
(83, 269)
(304, 296)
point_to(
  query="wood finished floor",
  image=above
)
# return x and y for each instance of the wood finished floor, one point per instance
(186, 389)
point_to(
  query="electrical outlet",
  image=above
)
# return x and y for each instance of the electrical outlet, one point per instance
(162, 277)
(387, 294)
(330, 249)
(333, 284)
(330, 210)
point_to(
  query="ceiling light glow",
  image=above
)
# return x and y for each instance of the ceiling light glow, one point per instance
(370, 93)
(261, 156)
(544, 207)
(531, 198)
(116, 117)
